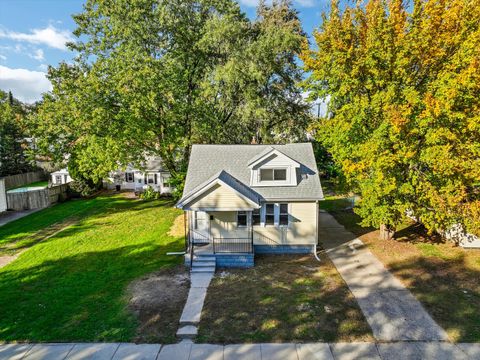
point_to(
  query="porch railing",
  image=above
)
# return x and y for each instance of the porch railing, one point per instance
(232, 245)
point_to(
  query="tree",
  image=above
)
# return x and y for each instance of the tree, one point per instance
(404, 108)
(13, 144)
(153, 77)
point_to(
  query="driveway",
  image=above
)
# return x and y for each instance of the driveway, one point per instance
(393, 313)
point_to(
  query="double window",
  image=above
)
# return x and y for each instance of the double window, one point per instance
(272, 214)
(129, 177)
(273, 174)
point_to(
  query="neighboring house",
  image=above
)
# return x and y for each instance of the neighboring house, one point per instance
(60, 177)
(152, 174)
(245, 199)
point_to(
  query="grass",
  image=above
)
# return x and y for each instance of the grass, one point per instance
(33, 184)
(443, 277)
(28, 230)
(72, 285)
(282, 299)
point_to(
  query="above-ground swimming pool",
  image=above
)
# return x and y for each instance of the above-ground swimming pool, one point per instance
(25, 189)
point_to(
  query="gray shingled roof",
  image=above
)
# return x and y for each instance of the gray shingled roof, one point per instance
(207, 161)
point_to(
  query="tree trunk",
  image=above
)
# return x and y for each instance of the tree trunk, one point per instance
(386, 232)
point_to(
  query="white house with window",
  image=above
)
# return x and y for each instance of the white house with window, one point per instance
(60, 177)
(150, 174)
(247, 199)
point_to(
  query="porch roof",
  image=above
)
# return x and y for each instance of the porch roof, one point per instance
(225, 179)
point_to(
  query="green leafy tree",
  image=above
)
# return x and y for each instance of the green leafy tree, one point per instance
(153, 77)
(404, 107)
(13, 144)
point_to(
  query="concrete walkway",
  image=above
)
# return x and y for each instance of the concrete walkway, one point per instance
(391, 310)
(10, 216)
(192, 310)
(189, 351)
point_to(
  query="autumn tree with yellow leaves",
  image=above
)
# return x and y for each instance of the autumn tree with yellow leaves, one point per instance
(404, 107)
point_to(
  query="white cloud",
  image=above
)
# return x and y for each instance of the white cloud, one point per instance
(37, 55)
(26, 85)
(3, 57)
(50, 36)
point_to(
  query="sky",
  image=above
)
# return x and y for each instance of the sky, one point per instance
(33, 34)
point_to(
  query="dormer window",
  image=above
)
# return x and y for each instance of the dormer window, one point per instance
(273, 168)
(273, 174)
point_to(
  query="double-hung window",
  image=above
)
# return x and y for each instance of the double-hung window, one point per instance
(242, 219)
(283, 215)
(269, 214)
(273, 174)
(256, 220)
(129, 177)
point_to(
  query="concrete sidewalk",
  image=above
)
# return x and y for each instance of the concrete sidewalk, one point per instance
(392, 312)
(10, 216)
(188, 351)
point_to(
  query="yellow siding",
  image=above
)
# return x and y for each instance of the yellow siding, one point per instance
(219, 197)
(301, 230)
(224, 225)
(303, 223)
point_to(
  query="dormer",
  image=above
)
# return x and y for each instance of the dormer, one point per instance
(273, 168)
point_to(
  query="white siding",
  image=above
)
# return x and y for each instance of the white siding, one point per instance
(275, 162)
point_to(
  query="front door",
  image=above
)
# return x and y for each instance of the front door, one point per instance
(202, 224)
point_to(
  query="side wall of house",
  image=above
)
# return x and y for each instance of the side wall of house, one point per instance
(302, 228)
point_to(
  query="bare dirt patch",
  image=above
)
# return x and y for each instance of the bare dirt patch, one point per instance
(178, 227)
(284, 298)
(157, 301)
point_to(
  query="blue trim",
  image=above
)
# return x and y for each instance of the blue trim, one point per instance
(235, 260)
(283, 249)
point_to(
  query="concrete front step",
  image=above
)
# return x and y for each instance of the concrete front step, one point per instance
(187, 332)
(204, 258)
(204, 263)
(203, 269)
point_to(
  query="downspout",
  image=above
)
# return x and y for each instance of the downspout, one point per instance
(316, 232)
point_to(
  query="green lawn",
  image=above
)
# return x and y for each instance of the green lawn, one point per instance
(72, 285)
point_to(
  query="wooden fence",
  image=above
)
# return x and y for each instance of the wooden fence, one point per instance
(17, 180)
(36, 199)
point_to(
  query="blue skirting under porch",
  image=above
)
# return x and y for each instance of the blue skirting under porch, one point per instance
(235, 260)
(283, 249)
